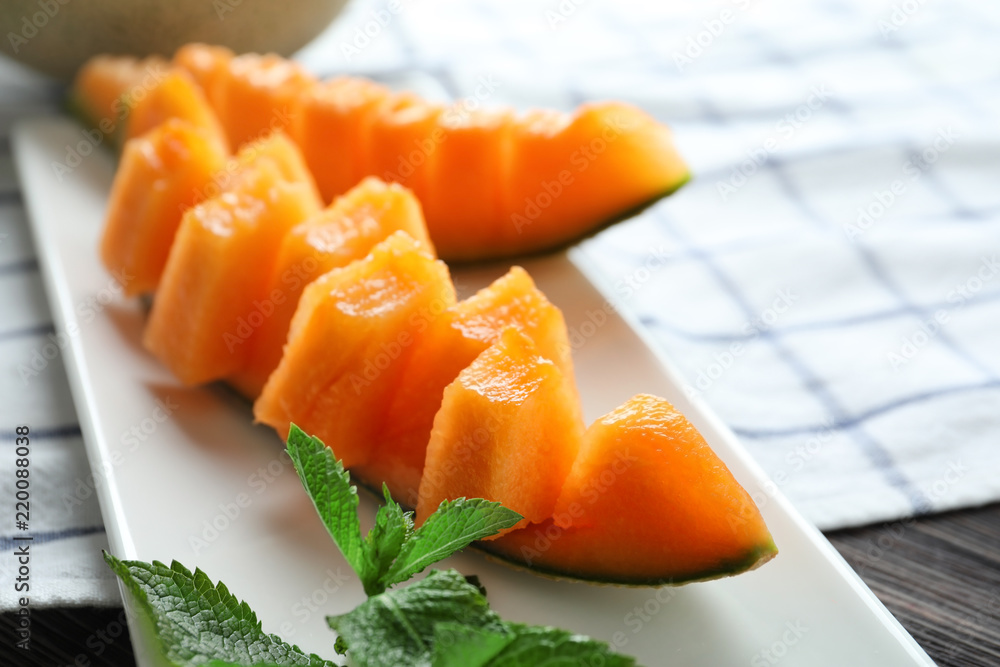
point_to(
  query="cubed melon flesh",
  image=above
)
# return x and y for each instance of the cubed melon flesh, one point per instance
(106, 87)
(257, 94)
(214, 288)
(348, 344)
(175, 96)
(402, 146)
(508, 430)
(331, 123)
(647, 502)
(346, 230)
(455, 337)
(160, 175)
(206, 64)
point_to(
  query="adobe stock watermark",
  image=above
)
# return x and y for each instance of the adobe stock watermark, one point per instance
(723, 361)
(31, 25)
(376, 21)
(785, 128)
(900, 16)
(779, 648)
(86, 312)
(311, 604)
(93, 137)
(129, 440)
(562, 12)
(424, 148)
(579, 161)
(913, 169)
(703, 40)
(911, 345)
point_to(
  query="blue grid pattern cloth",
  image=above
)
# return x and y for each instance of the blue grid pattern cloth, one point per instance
(829, 283)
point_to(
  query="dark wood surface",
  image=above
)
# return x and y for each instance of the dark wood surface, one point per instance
(939, 575)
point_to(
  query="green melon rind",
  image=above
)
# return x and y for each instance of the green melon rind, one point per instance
(754, 558)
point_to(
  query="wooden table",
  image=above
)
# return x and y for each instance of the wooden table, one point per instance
(939, 575)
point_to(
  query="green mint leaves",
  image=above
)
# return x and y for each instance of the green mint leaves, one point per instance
(198, 622)
(443, 620)
(393, 551)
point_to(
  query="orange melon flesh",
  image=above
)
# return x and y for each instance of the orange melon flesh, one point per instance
(331, 124)
(257, 94)
(646, 503)
(106, 87)
(348, 344)
(159, 176)
(277, 150)
(345, 231)
(453, 340)
(175, 96)
(213, 293)
(402, 144)
(465, 206)
(206, 64)
(508, 430)
(569, 174)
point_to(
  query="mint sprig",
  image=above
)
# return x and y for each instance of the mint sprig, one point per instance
(443, 620)
(393, 551)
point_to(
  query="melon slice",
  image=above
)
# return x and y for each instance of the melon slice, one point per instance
(257, 94)
(508, 430)
(276, 149)
(459, 197)
(647, 502)
(106, 87)
(348, 345)
(345, 231)
(159, 176)
(331, 123)
(213, 293)
(175, 96)
(402, 143)
(571, 173)
(455, 337)
(206, 64)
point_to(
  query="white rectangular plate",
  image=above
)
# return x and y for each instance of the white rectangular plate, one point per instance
(205, 487)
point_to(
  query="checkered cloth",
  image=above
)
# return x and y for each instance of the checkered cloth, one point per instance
(829, 282)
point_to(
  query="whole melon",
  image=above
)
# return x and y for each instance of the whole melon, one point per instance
(57, 36)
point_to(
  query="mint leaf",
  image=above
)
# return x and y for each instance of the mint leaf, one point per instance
(392, 529)
(196, 621)
(396, 628)
(542, 646)
(458, 645)
(453, 526)
(333, 495)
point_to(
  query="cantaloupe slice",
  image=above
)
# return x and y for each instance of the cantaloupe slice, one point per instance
(646, 503)
(348, 345)
(213, 293)
(257, 94)
(455, 337)
(276, 149)
(159, 176)
(106, 87)
(345, 231)
(331, 124)
(570, 173)
(175, 96)
(206, 64)
(508, 430)
(459, 196)
(402, 145)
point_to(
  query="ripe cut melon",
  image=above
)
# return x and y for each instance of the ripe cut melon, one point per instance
(331, 123)
(276, 149)
(175, 96)
(159, 176)
(213, 293)
(345, 231)
(255, 95)
(647, 502)
(106, 87)
(460, 197)
(494, 184)
(508, 430)
(348, 345)
(571, 173)
(454, 338)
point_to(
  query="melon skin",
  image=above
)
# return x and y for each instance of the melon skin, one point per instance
(647, 502)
